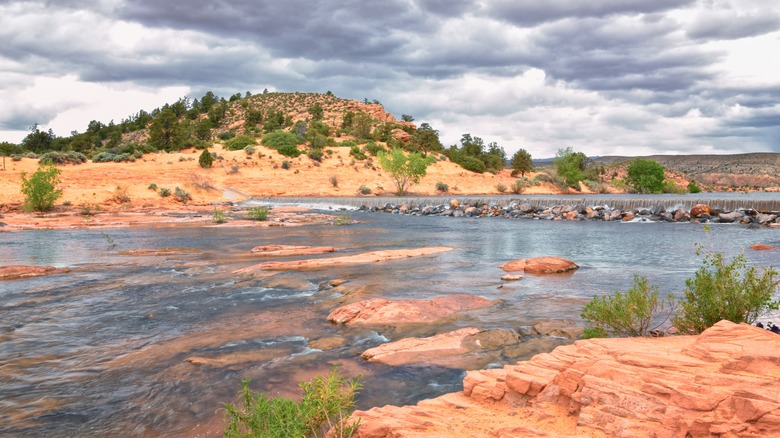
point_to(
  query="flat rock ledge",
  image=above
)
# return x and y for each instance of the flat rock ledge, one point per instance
(445, 349)
(540, 265)
(724, 382)
(383, 311)
(14, 272)
(357, 259)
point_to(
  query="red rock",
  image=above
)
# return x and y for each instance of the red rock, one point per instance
(13, 272)
(290, 250)
(762, 247)
(510, 277)
(724, 382)
(571, 215)
(451, 349)
(700, 209)
(358, 259)
(540, 265)
(382, 311)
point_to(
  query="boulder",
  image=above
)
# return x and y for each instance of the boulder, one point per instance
(628, 216)
(526, 208)
(558, 329)
(571, 215)
(511, 277)
(446, 349)
(454, 203)
(700, 209)
(13, 272)
(327, 343)
(681, 216)
(383, 311)
(724, 382)
(765, 219)
(734, 216)
(540, 265)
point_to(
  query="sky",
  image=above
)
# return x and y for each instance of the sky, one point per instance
(605, 77)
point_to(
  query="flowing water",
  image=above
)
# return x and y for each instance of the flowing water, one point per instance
(148, 345)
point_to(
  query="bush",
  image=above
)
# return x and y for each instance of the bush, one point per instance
(152, 187)
(357, 153)
(239, 142)
(249, 150)
(257, 213)
(62, 158)
(285, 164)
(327, 402)
(164, 193)
(226, 135)
(726, 290)
(647, 176)
(108, 157)
(693, 187)
(205, 160)
(218, 217)
(374, 148)
(181, 195)
(315, 154)
(472, 164)
(442, 187)
(289, 151)
(365, 190)
(519, 185)
(632, 313)
(500, 188)
(334, 180)
(278, 139)
(40, 189)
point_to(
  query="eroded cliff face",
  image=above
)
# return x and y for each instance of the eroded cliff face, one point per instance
(724, 382)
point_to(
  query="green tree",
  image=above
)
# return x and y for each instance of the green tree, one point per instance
(426, 139)
(521, 163)
(206, 159)
(166, 132)
(726, 290)
(362, 125)
(646, 176)
(40, 189)
(405, 170)
(407, 118)
(693, 187)
(571, 166)
(38, 141)
(316, 111)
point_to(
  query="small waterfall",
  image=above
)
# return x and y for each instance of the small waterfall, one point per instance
(764, 203)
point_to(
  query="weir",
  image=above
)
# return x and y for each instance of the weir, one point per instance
(761, 202)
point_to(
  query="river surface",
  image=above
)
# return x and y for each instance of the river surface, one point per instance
(102, 350)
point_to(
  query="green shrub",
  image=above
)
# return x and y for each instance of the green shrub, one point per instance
(62, 158)
(40, 189)
(257, 213)
(239, 142)
(500, 188)
(226, 135)
(334, 180)
(249, 150)
(278, 139)
(519, 185)
(164, 193)
(726, 290)
(594, 332)
(357, 153)
(646, 176)
(693, 187)
(472, 164)
(374, 148)
(289, 151)
(442, 187)
(285, 164)
(218, 217)
(152, 186)
(327, 402)
(365, 190)
(315, 154)
(671, 187)
(631, 313)
(181, 195)
(206, 159)
(108, 157)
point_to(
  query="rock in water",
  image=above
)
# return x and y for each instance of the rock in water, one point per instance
(540, 265)
(382, 311)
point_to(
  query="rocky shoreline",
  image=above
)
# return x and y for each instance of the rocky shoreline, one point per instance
(700, 213)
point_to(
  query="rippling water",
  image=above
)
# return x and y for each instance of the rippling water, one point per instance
(104, 349)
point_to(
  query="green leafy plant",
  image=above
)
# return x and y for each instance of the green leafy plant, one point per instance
(693, 187)
(500, 188)
(646, 176)
(344, 219)
(365, 190)
(326, 404)
(442, 187)
(404, 169)
(152, 187)
(239, 142)
(219, 216)
(729, 290)
(206, 159)
(164, 192)
(181, 195)
(519, 185)
(257, 213)
(521, 163)
(634, 313)
(40, 189)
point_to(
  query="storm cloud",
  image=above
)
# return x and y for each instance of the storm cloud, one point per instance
(605, 77)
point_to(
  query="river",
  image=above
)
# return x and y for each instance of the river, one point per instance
(102, 350)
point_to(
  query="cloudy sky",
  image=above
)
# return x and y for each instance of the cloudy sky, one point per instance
(606, 77)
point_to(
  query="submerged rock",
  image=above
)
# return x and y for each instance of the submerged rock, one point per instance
(290, 250)
(14, 272)
(723, 382)
(357, 259)
(762, 247)
(540, 265)
(382, 311)
(453, 349)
